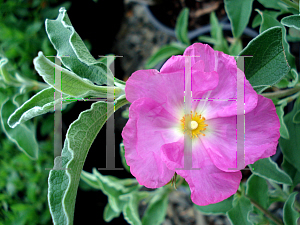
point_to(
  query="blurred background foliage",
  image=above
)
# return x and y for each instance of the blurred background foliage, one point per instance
(23, 181)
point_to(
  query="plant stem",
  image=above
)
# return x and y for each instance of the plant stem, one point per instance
(266, 212)
(277, 187)
(282, 93)
(288, 99)
(291, 4)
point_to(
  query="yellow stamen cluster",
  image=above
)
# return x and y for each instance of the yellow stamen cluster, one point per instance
(193, 124)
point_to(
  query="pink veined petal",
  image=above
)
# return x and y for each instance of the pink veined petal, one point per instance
(148, 128)
(223, 97)
(173, 64)
(220, 142)
(261, 131)
(261, 136)
(202, 52)
(208, 185)
(222, 101)
(168, 88)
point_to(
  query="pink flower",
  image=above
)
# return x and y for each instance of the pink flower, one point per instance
(154, 134)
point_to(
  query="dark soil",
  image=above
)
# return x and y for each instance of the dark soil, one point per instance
(167, 11)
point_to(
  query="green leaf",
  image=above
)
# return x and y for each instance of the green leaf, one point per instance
(296, 118)
(257, 189)
(217, 34)
(291, 21)
(290, 80)
(122, 153)
(239, 13)
(63, 184)
(239, 213)
(294, 77)
(114, 187)
(33, 28)
(39, 104)
(217, 208)
(268, 21)
(71, 84)
(181, 27)
(90, 179)
(258, 18)
(290, 215)
(4, 73)
(270, 4)
(207, 39)
(68, 43)
(268, 169)
(268, 64)
(156, 209)
(236, 47)
(291, 171)
(22, 136)
(130, 211)
(164, 53)
(109, 213)
(291, 148)
(256, 21)
(294, 33)
(283, 129)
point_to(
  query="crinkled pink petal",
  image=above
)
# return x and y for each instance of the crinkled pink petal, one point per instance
(208, 185)
(261, 131)
(220, 142)
(261, 136)
(203, 52)
(222, 101)
(222, 98)
(168, 88)
(149, 127)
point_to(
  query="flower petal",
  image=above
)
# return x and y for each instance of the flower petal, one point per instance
(261, 136)
(148, 128)
(223, 97)
(202, 52)
(208, 184)
(261, 131)
(220, 142)
(168, 88)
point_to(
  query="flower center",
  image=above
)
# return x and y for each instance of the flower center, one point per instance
(193, 125)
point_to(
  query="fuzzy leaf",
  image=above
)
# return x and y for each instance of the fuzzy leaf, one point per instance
(181, 28)
(63, 183)
(73, 52)
(268, 169)
(239, 13)
(156, 209)
(39, 104)
(290, 215)
(217, 208)
(71, 84)
(268, 64)
(239, 213)
(291, 148)
(292, 21)
(257, 189)
(22, 136)
(164, 53)
(283, 129)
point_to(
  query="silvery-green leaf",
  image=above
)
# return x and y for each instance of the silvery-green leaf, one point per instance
(71, 84)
